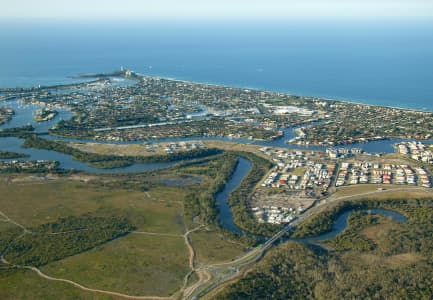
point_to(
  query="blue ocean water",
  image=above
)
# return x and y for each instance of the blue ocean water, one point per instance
(376, 62)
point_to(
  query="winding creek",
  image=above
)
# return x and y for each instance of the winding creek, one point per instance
(225, 214)
(24, 116)
(340, 224)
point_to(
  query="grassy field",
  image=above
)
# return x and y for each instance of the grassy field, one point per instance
(5, 225)
(136, 265)
(365, 188)
(299, 171)
(374, 232)
(152, 261)
(415, 194)
(212, 247)
(141, 150)
(22, 285)
(34, 203)
(133, 150)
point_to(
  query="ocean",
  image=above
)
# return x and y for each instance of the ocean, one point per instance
(387, 62)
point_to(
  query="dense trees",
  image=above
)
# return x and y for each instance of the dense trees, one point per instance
(414, 209)
(350, 239)
(30, 166)
(11, 155)
(17, 131)
(62, 238)
(202, 204)
(288, 273)
(295, 272)
(239, 199)
(397, 264)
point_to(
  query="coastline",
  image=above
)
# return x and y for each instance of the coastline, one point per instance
(138, 75)
(341, 100)
(354, 106)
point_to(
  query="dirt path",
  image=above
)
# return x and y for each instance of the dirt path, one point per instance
(9, 220)
(82, 287)
(189, 246)
(202, 274)
(5, 218)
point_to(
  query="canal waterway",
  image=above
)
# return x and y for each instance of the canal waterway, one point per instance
(24, 116)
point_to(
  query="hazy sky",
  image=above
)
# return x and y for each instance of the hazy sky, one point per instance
(212, 9)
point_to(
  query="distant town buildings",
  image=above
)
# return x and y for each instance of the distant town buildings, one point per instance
(416, 150)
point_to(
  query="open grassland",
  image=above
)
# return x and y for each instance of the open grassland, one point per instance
(110, 149)
(408, 194)
(233, 146)
(299, 171)
(385, 254)
(212, 247)
(374, 232)
(5, 225)
(137, 264)
(25, 284)
(141, 150)
(150, 260)
(378, 235)
(354, 190)
(31, 204)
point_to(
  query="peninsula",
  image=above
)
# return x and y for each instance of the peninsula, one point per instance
(152, 108)
(158, 188)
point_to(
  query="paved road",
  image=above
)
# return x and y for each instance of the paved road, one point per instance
(215, 275)
(224, 272)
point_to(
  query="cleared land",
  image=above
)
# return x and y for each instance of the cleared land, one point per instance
(142, 150)
(25, 284)
(153, 260)
(212, 247)
(34, 203)
(136, 265)
(354, 190)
